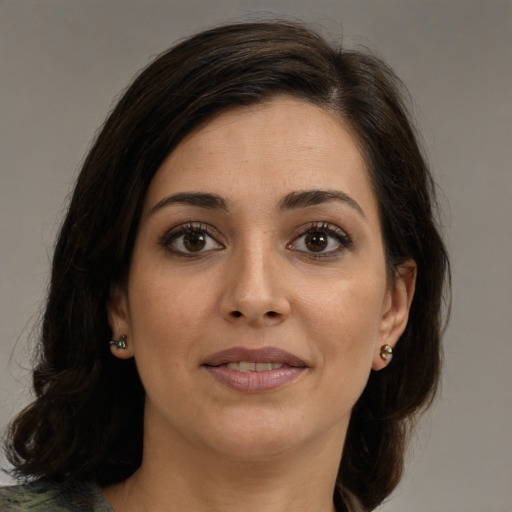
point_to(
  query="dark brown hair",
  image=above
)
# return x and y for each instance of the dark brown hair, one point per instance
(86, 420)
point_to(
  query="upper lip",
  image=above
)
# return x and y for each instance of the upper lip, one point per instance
(254, 355)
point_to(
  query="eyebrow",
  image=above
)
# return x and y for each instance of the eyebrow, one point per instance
(201, 199)
(306, 198)
(292, 201)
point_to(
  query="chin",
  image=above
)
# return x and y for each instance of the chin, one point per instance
(260, 437)
(256, 447)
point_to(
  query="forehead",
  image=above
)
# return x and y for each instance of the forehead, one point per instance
(266, 150)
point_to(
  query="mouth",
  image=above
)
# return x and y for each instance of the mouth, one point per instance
(249, 359)
(247, 366)
(254, 370)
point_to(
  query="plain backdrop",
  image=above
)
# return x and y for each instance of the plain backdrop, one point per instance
(62, 64)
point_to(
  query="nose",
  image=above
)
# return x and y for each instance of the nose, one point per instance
(255, 290)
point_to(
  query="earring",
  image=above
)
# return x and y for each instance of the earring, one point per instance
(120, 344)
(386, 352)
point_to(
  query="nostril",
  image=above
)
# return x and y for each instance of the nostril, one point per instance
(268, 314)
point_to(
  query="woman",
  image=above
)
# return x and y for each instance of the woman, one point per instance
(230, 320)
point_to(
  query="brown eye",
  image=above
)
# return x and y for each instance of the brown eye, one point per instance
(194, 241)
(322, 240)
(316, 241)
(190, 240)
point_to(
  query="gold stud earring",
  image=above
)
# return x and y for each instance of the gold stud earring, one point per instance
(386, 352)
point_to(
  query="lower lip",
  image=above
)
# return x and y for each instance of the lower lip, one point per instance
(255, 382)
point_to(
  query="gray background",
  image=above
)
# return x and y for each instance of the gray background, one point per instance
(63, 62)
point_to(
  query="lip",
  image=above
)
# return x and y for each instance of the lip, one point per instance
(254, 381)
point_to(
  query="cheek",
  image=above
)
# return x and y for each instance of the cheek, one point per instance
(170, 303)
(166, 322)
(344, 319)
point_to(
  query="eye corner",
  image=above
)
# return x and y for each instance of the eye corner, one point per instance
(331, 240)
(191, 240)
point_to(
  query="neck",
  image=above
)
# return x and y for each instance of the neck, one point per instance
(176, 476)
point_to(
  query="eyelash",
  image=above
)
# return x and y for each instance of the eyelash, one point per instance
(331, 230)
(190, 227)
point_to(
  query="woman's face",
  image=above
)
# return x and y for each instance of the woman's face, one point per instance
(257, 299)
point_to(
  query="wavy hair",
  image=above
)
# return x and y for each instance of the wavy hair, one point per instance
(86, 420)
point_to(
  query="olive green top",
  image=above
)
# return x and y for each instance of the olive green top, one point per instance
(53, 497)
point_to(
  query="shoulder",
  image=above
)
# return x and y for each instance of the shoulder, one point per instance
(53, 497)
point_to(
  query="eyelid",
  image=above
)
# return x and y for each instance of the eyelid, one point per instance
(332, 230)
(175, 232)
(343, 238)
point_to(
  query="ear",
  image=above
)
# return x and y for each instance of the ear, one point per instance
(119, 320)
(395, 312)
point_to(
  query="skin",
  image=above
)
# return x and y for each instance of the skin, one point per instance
(256, 283)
